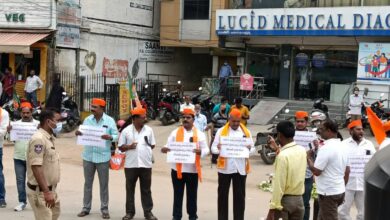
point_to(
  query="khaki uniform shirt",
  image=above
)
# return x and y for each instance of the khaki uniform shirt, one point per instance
(41, 152)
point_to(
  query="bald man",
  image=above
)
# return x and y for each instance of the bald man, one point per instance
(232, 169)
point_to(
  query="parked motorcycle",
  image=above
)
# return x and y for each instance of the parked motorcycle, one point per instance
(12, 107)
(169, 108)
(267, 154)
(319, 105)
(70, 113)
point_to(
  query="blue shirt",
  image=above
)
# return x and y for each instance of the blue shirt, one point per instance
(225, 71)
(200, 122)
(99, 154)
(216, 109)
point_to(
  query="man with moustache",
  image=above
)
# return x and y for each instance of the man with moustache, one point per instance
(232, 169)
(187, 175)
(138, 141)
(20, 156)
(98, 158)
(359, 151)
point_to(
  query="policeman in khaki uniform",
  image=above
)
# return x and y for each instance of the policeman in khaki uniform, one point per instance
(43, 168)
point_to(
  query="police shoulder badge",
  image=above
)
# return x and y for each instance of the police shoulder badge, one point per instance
(38, 148)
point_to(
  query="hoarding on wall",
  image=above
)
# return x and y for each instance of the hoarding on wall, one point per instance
(374, 62)
(69, 13)
(335, 21)
(68, 36)
(27, 14)
(131, 12)
(151, 51)
(115, 68)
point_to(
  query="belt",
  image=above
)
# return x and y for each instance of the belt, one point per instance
(34, 187)
(288, 195)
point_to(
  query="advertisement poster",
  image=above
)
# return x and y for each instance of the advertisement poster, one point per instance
(115, 68)
(373, 62)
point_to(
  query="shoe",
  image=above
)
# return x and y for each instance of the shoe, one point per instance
(3, 204)
(128, 217)
(20, 207)
(105, 216)
(150, 216)
(82, 214)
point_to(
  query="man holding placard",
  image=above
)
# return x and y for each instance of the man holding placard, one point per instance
(138, 141)
(360, 151)
(4, 122)
(186, 145)
(99, 128)
(233, 143)
(21, 145)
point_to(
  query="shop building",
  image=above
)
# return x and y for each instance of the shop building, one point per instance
(305, 49)
(27, 30)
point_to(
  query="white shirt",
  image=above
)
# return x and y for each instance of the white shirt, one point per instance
(189, 168)
(358, 156)
(141, 156)
(384, 143)
(200, 122)
(233, 165)
(184, 106)
(355, 104)
(4, 122)
(332, 159)
(32, 84)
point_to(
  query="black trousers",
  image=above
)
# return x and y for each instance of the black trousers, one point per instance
(145, 180)
(239, 182)
(189, 180)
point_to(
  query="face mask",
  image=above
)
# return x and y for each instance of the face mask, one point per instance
(58, 128)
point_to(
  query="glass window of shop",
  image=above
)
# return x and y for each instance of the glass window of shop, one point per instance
(265, 62)
(196, 9)
(314, 72)
(303, 3)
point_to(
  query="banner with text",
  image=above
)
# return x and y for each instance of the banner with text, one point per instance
(91, 136)
(22, 131)
(181, 152)
(235, 147)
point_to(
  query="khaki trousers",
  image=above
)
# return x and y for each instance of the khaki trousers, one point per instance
(38, 205)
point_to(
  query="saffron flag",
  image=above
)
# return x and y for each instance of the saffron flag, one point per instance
(376, 126)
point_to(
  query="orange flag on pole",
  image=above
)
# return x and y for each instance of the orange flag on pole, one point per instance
(376, 126)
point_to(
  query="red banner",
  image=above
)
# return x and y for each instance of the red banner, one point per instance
(115, 68)
(246, 82)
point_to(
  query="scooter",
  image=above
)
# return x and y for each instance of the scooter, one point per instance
(169, 108)
(70, 113)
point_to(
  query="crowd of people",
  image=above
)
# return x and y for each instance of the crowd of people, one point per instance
(334, 165)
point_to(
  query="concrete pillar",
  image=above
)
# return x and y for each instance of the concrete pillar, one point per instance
(285, 65)
(215, 66)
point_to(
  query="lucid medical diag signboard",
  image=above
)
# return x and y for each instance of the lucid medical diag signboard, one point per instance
(336, 21)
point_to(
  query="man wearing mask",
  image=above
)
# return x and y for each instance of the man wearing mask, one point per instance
(187, 175)
(20, 156)
(43, 167)
(331, 169)
(243, 109)
(288, 182)
(360, 151)
(4, 122)
(138, 141)
(224, 73)
(355, 104)
(98, 158)
(187, 104)
(200, 119)
(33, 83)
(232, 169)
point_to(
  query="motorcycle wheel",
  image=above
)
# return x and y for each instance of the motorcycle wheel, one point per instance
(164, 121)
(267, 159)
(150, 114)
(177, 119)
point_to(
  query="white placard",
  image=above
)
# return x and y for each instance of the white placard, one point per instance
(181, 152)
(91, 136)
(22, 131)
(304, 138)
(235, 147)
(358, 163)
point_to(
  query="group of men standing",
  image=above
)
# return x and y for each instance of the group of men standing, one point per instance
(337, 166)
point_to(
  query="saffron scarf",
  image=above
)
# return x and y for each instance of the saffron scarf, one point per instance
(179, 166)
(221, 163)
